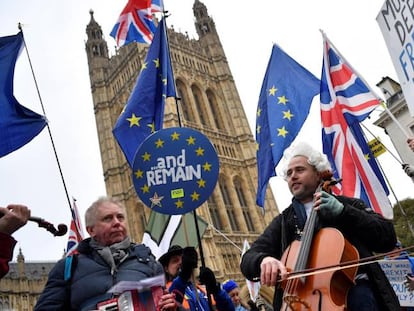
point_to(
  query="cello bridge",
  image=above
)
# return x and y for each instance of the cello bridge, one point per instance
(291, 300)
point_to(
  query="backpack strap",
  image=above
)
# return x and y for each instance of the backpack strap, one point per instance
(70, 265)
(68, 268)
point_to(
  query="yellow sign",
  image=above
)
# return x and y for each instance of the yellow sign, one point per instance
(177, 193)
(376, 146)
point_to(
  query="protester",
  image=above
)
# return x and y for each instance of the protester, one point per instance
(171, 261)
(231, 287)
(13, 217)
(179, 265)
(368, 231)
(104, 259)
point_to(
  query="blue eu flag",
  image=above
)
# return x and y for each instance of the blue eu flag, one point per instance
(144, 111)
(18, 124)
(284, 103)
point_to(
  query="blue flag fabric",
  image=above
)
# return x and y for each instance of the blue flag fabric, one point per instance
(144, 111)
(18, 124)
(284, 103)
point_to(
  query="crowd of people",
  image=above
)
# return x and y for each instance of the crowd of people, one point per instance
(108, 256)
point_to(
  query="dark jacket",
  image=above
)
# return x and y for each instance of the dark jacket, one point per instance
(92, 277)
(368, 231)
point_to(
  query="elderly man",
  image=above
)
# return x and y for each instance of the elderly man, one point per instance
(104, 259)
(367, 231)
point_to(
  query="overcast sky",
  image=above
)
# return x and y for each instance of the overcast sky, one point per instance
(55, 36)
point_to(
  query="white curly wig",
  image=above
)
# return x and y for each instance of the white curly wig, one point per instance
(315, 158)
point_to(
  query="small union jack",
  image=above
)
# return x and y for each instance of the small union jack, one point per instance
(345, 102)
(75, 233)
(136, 22)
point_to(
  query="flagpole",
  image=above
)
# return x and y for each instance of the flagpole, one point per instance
(47, 123)
(200, 245)
(202, 259)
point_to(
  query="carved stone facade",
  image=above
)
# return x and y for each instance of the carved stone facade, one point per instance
(21, 287)
(209, 103)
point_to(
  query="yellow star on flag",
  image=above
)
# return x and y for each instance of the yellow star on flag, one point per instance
(157, 62)
(282, 132)
(152, 127)
(134, 120)
(272, 91)
(288, 115)
(144, 66)
(282, 100)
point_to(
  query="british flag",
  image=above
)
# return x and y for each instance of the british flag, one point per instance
(346, 100)
(76, 232)
(136, 22)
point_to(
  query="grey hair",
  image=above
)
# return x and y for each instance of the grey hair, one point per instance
(315, 158)
(92, 212)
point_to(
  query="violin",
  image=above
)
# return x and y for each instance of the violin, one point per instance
(59, 231)
(325, 247)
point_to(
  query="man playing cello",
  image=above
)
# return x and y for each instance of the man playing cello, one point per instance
(366, 230)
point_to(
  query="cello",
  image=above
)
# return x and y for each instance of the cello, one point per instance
(327, 246)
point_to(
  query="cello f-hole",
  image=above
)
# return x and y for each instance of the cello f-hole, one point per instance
(317, 291)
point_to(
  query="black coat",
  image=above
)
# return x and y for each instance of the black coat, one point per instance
(368, 231)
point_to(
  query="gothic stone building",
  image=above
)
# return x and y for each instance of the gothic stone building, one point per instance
(210, 103)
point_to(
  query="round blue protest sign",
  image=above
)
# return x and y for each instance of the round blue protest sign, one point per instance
(175, 170)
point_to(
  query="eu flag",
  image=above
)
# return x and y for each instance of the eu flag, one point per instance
(284, 103)
(144, 111)
(18, 124)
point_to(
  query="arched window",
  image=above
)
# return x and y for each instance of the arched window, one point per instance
(231, 213)
(212, 101)
(243, 204)
(184, 103)
(215, 216)
(200, 106)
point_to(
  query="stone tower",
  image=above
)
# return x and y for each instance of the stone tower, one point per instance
(210, 103)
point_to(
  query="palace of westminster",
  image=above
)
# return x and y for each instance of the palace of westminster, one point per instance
(208, 102)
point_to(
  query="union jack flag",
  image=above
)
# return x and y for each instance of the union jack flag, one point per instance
(135, 22)
(346, 100)
(75, 233)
